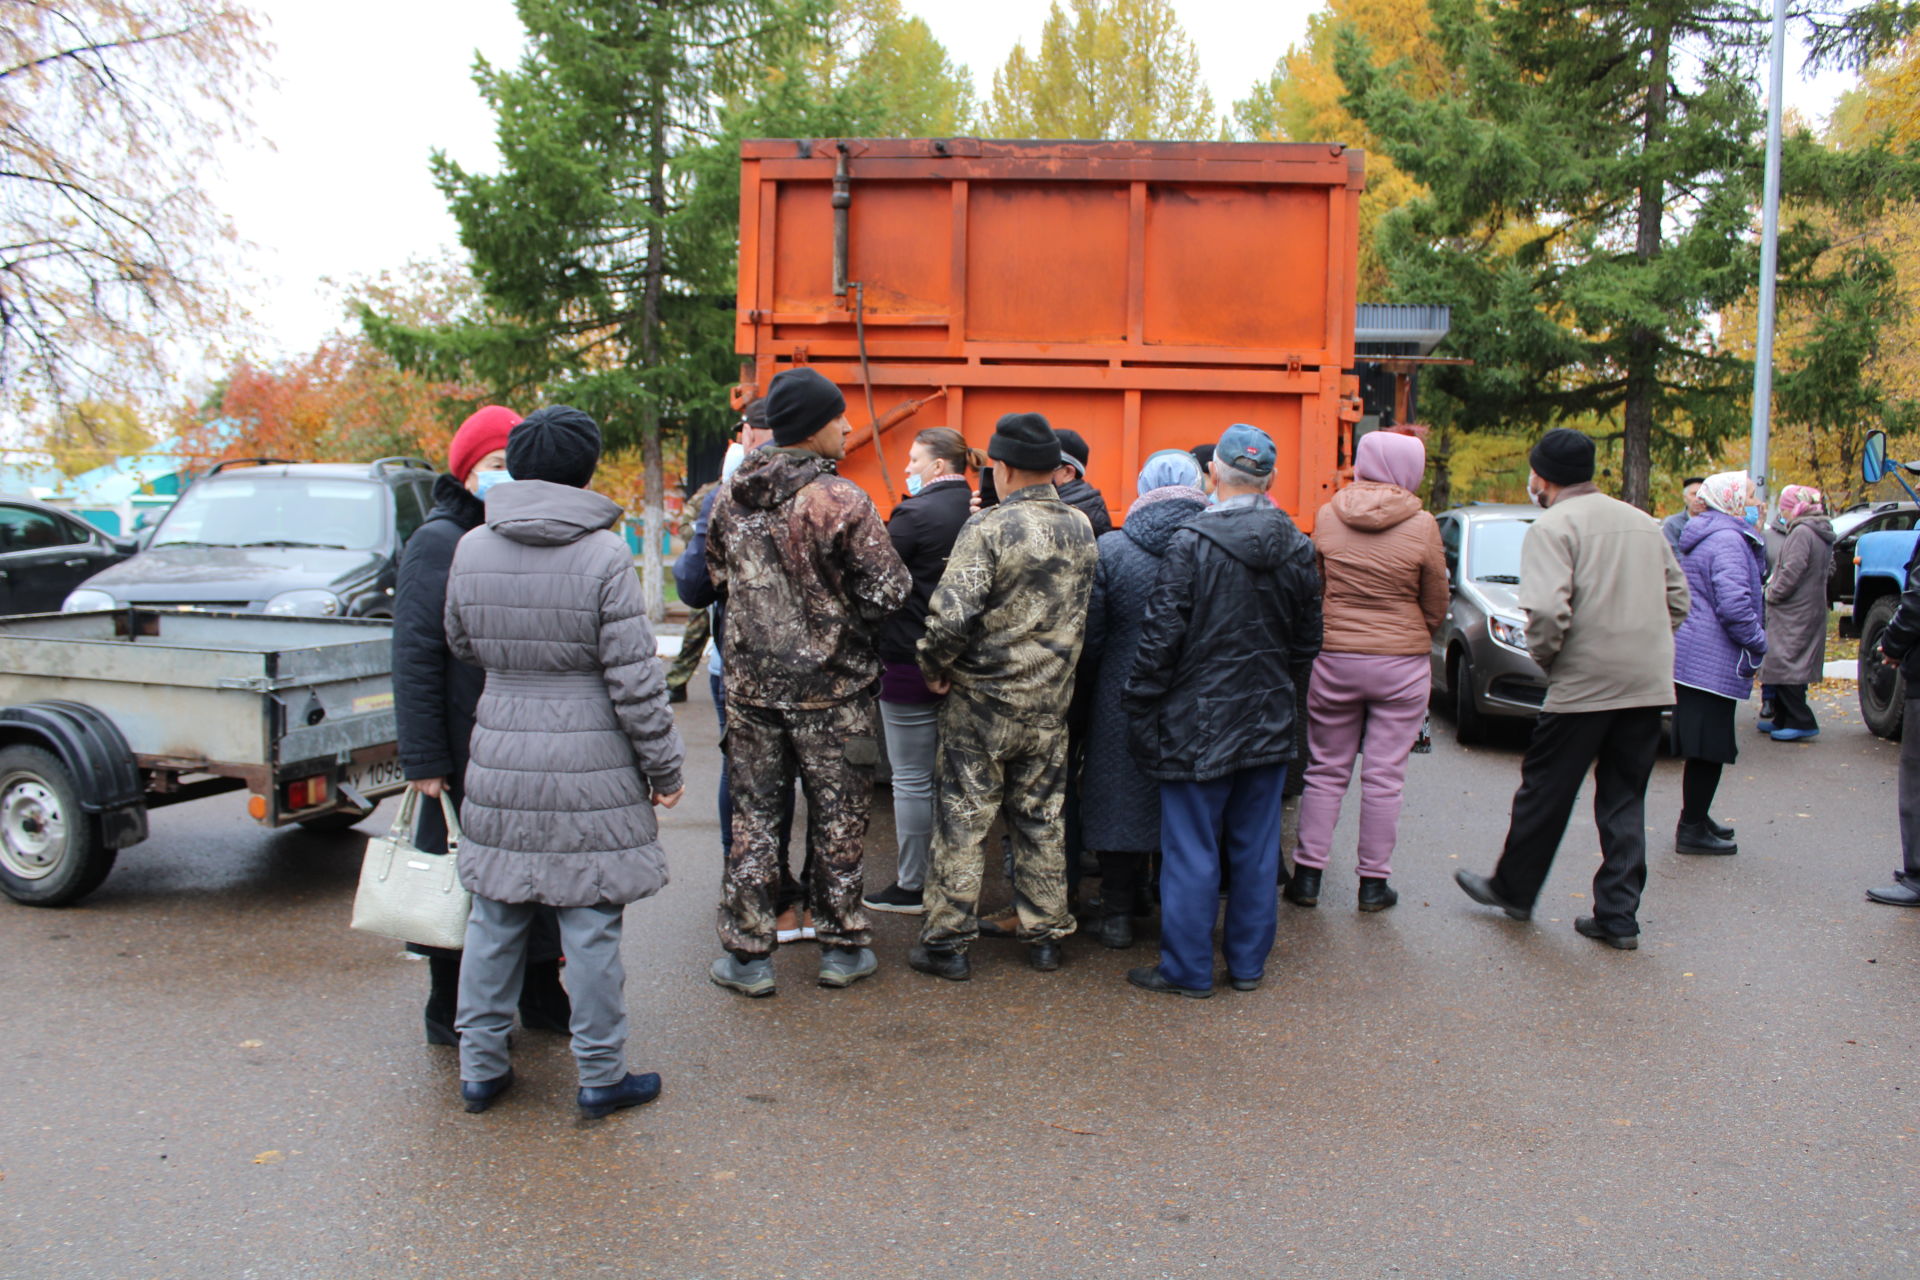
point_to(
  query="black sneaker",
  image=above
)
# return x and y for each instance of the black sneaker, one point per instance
(907, 902)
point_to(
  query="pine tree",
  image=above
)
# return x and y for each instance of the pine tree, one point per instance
(1591, 201)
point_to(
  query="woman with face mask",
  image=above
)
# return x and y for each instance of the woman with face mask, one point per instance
(1717, 650)
(434, 696)
(923, 528)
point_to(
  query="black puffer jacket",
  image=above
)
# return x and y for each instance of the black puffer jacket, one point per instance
(1086, 499)
(1232, 626)
(1901, 640)
(434, 693)
(923, 528)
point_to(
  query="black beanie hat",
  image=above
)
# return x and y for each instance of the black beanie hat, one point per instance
(799, 403)
(1024, 442)
(1563, 456)
(756, 413)
(558, 443)
(1072, 445)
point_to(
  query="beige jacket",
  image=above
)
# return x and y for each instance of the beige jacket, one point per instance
(1603, 596)
(1384, 569)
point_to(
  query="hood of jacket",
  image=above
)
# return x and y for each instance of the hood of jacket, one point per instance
(1375, 505)
(1821, 526)
(541, 513)
(770, 477)
(1709, 522)
(454, 501)
(1256, 534)
(1151, 527)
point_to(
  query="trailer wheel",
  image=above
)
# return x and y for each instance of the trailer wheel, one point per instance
(338, 820)
(1883, 693)
(50, 848)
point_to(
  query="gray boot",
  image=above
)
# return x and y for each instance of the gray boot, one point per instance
(749, 977)
(844, 966)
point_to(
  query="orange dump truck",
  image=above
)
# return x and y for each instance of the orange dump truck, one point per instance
(1145, 294)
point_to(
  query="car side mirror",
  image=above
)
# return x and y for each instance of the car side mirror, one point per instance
(126, 545)
(1873, 458)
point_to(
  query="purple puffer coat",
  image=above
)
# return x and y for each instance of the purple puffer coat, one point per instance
(1719, 647)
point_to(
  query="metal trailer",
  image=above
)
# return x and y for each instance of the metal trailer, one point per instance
(104, 716)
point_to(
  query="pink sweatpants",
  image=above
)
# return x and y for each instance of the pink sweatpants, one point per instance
(1386, 697)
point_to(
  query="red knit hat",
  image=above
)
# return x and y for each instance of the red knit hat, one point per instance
(477, 437)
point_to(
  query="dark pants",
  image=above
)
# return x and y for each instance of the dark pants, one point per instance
(1236, 817)
(1910, 794)
(790, 892)
(1619, 746)
(1790, 708)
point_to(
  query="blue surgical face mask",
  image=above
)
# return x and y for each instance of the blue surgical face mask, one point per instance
(485, 480)
(914, 484)
(1753, 515)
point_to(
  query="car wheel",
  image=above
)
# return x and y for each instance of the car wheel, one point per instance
(1883, 691)
(50, 848)
(1469, 724)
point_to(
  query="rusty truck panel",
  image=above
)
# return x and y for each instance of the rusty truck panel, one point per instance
(1146, 294)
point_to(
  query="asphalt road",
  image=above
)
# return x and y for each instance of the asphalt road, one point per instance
(211, 1076)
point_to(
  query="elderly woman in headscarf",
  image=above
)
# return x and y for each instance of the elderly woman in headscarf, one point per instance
(1384, 591)
(1716, 651)
(1120, 807)
(1797, 613)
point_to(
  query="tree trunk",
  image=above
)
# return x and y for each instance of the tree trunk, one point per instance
(1643, 345)
(1440, 493)
(653, 522)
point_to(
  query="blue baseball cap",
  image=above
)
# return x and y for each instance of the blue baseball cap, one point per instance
(1247, 449)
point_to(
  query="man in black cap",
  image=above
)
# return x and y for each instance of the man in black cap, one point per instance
(1603, 596)
(807, 572)
(1070, 481)
(1004, 630)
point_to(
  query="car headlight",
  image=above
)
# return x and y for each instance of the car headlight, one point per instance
(86, 601)
(307, 602)
(1508, 631)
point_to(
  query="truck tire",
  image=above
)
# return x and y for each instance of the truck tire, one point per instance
(51, 853)
(338, 820)
(1469, 724)
(1883, 690)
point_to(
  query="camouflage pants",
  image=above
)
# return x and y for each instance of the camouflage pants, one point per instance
(693, 650)
(990, 761)
(833, 750)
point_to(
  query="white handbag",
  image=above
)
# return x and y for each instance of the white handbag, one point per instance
(413, 896)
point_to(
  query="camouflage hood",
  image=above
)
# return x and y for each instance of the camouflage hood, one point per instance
(770, 478)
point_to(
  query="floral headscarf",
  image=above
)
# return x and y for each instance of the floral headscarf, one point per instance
(1727, 492)
(1801, 500)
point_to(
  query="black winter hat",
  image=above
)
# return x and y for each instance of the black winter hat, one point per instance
(1024, 442)
(1073, 448)
(799, 403)
(756, 413)
(558, 443)
(1563, 456)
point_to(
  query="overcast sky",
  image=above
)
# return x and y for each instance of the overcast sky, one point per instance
(368, 88)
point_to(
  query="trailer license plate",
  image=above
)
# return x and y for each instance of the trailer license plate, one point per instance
(382, 777)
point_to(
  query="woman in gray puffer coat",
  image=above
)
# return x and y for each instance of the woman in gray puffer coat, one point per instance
(573, 744)
(1797, 614)
(1119, 805)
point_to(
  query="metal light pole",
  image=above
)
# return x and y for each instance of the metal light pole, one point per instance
(1769, 253)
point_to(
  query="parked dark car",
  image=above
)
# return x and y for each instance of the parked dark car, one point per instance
(263, 535)
(46, 552)
(1480, 665)
(1848, 528)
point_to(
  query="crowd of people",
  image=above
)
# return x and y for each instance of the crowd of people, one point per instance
(1126, 696)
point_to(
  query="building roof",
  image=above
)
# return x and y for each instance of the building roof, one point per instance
(1397, 329)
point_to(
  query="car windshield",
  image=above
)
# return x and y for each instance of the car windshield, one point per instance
(276, 511)
(1494, 551)
(1847, 521)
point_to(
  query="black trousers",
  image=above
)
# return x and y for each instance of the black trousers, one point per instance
(1620, 747)
(1790, 708)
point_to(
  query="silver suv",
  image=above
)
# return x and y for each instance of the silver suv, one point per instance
(1480, 664)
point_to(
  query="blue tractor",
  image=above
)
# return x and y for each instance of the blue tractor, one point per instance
(1880, 572)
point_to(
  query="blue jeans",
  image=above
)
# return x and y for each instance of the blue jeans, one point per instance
(1235, 818)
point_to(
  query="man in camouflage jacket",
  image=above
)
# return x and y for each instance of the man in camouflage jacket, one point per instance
(803, 562)
(1004, 631)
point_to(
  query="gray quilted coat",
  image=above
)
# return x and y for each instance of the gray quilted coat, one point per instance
(574, 722)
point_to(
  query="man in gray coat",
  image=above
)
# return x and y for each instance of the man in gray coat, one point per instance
(573, 745)
(1603, 596)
